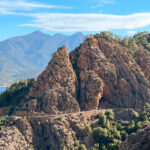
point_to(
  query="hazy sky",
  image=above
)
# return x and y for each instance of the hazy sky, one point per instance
(124, 17)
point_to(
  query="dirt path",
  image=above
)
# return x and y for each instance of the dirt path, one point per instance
(86, 114)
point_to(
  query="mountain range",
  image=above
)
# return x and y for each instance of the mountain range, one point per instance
(26, 56)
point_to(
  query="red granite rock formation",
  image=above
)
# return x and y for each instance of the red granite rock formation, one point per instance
(100, 73)
(125, 80)
(55, 88)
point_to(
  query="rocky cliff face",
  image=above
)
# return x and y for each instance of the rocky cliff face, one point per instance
(45, 132)
(12, 139)
(124, 79)
(101, 73)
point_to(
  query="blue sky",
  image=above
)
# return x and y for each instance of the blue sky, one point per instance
(124, 17)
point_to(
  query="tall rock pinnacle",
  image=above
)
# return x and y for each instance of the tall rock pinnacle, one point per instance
(55, 88)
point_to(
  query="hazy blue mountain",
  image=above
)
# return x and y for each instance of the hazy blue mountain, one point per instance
(25, 56)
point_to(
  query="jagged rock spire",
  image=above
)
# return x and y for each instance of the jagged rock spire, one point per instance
(55, 88)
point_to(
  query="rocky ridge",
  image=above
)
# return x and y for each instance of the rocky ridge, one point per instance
(124, 82)
(100, 73)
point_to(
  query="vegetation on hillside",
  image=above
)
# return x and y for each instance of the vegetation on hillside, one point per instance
(15, 93)
(140, 40)
(108, 133)
(3, 121)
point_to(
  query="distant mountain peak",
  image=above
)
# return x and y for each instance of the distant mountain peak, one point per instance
(78, 33)
(39, 33)
(30, 52)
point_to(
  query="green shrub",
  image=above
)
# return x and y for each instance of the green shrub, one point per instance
(102, 119)
(103, 147)
(82, 147)
(147, 105)
(88, 129)
(47, 121)
(15, 93)
(100, 134)
(123, 134)
(95, 147)
(3, 121)
(112, 146)
(110, 114)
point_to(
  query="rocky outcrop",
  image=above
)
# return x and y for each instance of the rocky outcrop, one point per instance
(126, 114)
(100, 73)
(12, 139)
(91, 90)
(125, 81)
(5, 111)
(55, 89)
(30, 105)
(44, 132)
(58, 133)
(142, 58)
(138, 141)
